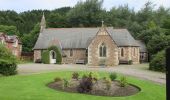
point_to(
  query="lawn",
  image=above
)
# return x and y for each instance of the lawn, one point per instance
(33, 87)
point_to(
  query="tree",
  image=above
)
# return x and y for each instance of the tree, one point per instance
(87, 14)
(158, 43)
(57, 21)
(29, 40)
(9, 30)
(146, 35)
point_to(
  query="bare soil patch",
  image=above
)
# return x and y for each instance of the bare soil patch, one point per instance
(99, 88)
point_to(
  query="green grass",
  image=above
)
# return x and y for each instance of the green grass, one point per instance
(33, 87)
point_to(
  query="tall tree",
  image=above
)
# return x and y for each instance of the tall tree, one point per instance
(87, 14)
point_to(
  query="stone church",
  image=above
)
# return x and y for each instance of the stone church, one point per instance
(92, 46)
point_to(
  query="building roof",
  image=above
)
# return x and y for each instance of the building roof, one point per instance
(81, 37)
(9, 38)
(142, 45)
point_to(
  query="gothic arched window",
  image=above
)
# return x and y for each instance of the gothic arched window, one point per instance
(122, 52)
(102, 50)
(71, 52)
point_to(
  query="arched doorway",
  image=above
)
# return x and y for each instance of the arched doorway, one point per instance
(52, 57)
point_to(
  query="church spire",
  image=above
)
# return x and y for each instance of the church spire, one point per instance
(43, 23)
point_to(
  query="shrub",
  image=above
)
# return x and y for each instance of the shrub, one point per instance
(123, 81)
(84, 76)
(65, 83)
(7, 67)
(108, 83)
(94, 75)
(57, 79)
(5, 53)
(38, 60)
(158, 62)
(130, 62)
(85, 85)
(75, 75)
(113, 76)
(8, 62)
(45, 57)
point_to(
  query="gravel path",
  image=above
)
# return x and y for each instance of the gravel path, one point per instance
(140, 71)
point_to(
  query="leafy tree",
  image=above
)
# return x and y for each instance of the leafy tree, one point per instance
(30, 39)
(57, 21)
(9, 30)
(146, 35)
(86, 13)
(158, 43)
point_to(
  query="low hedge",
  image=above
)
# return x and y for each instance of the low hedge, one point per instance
(7, 67)
(45, 57)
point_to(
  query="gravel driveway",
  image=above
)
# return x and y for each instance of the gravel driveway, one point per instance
(140, 71)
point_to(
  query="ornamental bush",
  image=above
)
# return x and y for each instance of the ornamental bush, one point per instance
(7, 67)
(57, 79)
(8, 62)
(123, 81)
(45, 57)
(75, 75)
(85, 85)
(113, 76)
(94, 75)
(158, 62)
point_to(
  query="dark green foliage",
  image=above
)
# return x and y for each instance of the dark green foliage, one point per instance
(113, 76)
(158, 62)
(9, 30)
(8, 62)
(29, 40)
(45, 57)
(7, 67)
(75, 75)
(85, 85)
(130, 62)
(57, 79)
(123, 81)
(86, 14)
(58, 54)
(6, 54)
(158, 43)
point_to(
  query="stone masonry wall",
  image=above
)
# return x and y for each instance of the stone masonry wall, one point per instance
(111, 58)
(77, 55)
(37, 54)
(130, 53)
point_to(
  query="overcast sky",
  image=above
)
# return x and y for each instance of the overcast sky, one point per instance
(24, 5)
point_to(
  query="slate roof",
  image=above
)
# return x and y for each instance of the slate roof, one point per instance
(142, 45)
(9, 38)
(81, 37)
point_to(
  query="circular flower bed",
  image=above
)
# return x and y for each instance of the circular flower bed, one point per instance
(89, 84)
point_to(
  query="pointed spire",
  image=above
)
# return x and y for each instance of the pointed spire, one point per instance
(43, 23)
